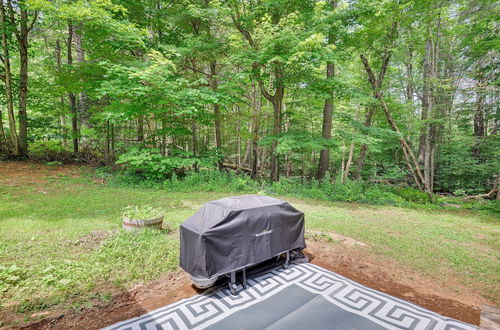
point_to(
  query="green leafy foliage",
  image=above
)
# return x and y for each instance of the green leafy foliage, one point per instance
(142, 212)
(49, 151)
(150, 164)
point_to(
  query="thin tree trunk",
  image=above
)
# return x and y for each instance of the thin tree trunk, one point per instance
(140, 128)
(62, 118)
(275, 167)
(426, 102)
(108, 138)
(410, 159)
(262, 161)
(326, 132)
(217, 117)
(2, 132)
(348, 163)
(364, 147)
(13, 145)
(288, 160)
(479, 117)
(71, 95)
(248, 149)
(409, 76)
(151, 128)
(342, 163)
(80, 57)
(248, 145)
(23, 82)
(255, 133)
(276, 99)
(112, 140)
(238, 135)
(194, 138)
(163, 142)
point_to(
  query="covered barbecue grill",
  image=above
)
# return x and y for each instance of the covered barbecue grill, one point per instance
(231, 234)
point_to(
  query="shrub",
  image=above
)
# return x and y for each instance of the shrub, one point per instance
(413, 195)
(150, 164)
(49, 151)
(210, 180)
(376, 195)
(350, 191)
(347, 192)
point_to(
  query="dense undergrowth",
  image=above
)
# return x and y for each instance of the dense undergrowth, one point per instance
(327, 189)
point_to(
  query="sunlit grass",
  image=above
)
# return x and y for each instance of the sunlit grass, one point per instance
(62, 239)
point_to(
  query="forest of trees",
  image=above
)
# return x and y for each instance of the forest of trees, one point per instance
(382, 91)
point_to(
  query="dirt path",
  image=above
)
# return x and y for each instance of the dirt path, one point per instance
(17, 173)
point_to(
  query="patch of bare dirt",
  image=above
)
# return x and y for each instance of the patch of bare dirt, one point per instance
(450, 299)
(345, 259)
(21, 173)
(347, 241)
(93, 240)
(124, 305)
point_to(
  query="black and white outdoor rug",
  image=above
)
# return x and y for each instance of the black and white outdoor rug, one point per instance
(303, 296)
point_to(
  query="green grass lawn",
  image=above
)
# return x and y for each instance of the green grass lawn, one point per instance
(61, 240)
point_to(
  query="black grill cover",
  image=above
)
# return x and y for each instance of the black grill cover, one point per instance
(235, 232)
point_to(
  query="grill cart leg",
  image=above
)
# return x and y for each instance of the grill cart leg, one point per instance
(232, 284)
(287, 260)
(244, 278)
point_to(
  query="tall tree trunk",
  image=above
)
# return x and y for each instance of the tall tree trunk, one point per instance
(479, 126)
(479, 117)
(140, 128)
(426, 100)
(288, 157)
(248, 149)
(326, 132)
(108, 138)
(80, 58)
(62, 118)
(112, 140)
(409, 76)
(71, 95)
(248, 145)
(163, 140)
(275, 166)
(194, 138)
(348, 163)
(13, 143)
(217, 117)
(364, 147)
(23, 82)
(276, 99)
(257, 101)
(2, 134)
(238, 138)
(342, 162)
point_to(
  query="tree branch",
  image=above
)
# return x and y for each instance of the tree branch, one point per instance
(371, 76)
(235, 17)
(387, 53)
(12, 19)
(245, 33)
(35, 17)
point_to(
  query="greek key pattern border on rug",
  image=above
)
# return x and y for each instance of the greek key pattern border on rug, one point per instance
(214, 305)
